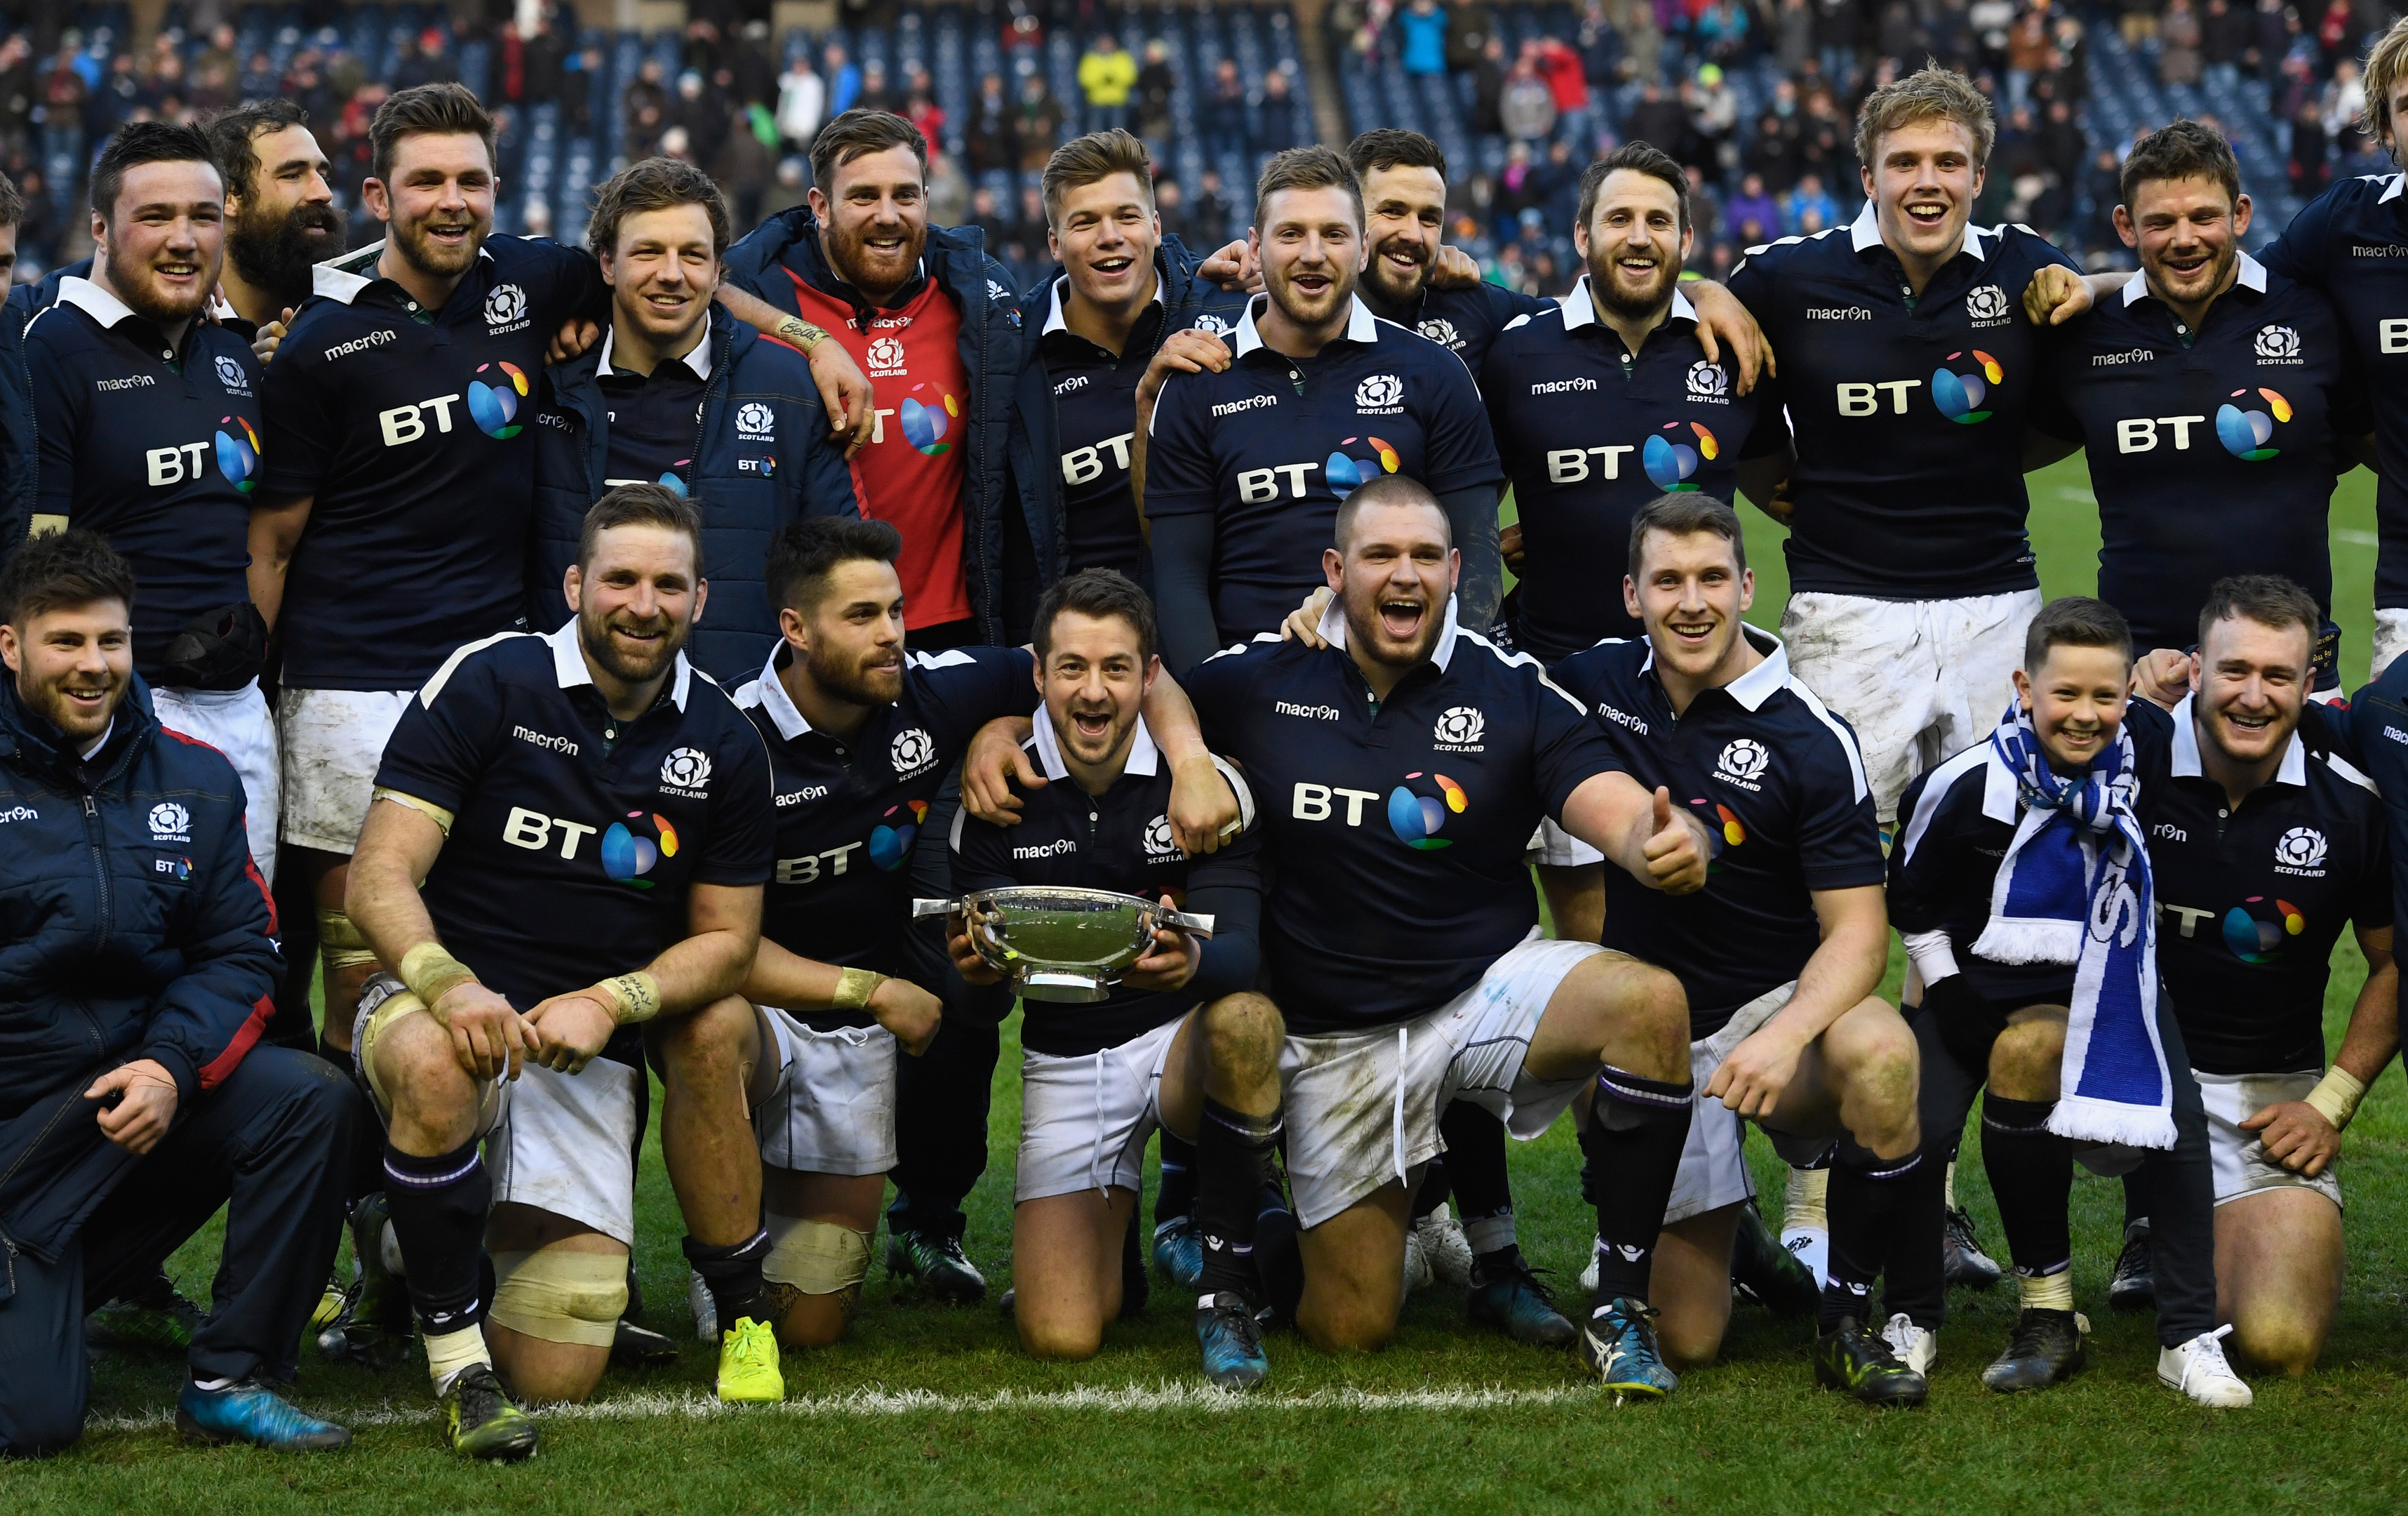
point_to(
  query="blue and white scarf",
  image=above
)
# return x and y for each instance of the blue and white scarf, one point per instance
(2075, 888)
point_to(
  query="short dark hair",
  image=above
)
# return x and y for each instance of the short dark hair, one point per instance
(1392, 147)
(139, 142)
(1091, 159)
(654, 184)
(641, 505)
(2077, 621)
(2181, 149)
(2269, 599)
(1098, 593)
(1385, 489)
(1306, 169)
(429, 110)
(232, 130)
(1639, 158)
(857, 133)
(12, 203)
(804, 553)
(1684, 515)
(71, 568)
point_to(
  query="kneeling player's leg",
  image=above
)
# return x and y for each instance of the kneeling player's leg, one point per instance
(707, 1064)
(1689, 1285)
(2031, 1168)
(1065, 1269)
(1355, 1272)
(1221, 1086)
(559, 1286)
(343, 950)
(2278, 1275)
(819, 1226)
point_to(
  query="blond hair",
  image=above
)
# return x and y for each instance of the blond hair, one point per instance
(1091, 159)
(2385, 63)
(1930, 92)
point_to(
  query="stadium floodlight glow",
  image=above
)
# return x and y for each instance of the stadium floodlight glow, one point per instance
(1060, 942)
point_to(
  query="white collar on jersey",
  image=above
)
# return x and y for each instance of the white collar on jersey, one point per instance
(1054, 322)
(1361, 327)
(1865, 232)
(92, 301)
(2251, 277)
(1333, 630)
(1754, 687)
(1144, 759)
(791, 722)
(698, 360)
(569, 663)
(2391, 192)
(2186, 761)
(1581, 311)
(339, 278)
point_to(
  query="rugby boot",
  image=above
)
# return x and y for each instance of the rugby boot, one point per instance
(249, 1412)
(748, 1364)
(1770, 1274)
(1966, 1264)
(1852, 1357)
(1619, 1346)
(482, 1421)
(706, 1309)
(1444, 1245)
(155, 1316)
(1915, 1347)
(330, 1305)
(2049, 1346)
(2135, 1285)
(1510, 1299)
(2197, 1369)
(939, 1263)
(633, 1346)
(1178, 1253)
(1588, 1274)
(1232, 1343)
(373, 1328)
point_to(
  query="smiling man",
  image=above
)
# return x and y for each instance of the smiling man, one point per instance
(2217, 402)
(681, 394)
(1245, 467)
(1403, 175)
(280, 215)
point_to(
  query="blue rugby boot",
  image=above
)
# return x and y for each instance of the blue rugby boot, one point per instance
(249, 1412)
(1510, 1298)
(1178, 1253)
(1232, 1342)
(1619, 1345)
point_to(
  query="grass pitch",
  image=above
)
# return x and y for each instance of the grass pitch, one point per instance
(925, 1406)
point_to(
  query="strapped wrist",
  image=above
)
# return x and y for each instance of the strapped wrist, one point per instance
(854, 988)
(2336, 1096)
(432, 972)
(632, 997)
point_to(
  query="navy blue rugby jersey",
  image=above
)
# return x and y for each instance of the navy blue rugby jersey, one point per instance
(1908, 412)
(1589, 433)
(1120, 840)
(2212, 452)
(405, 427)
(155, 447)
(1270, 445)
(655, 419)
(1781, 786)
(848, 814)
(1095, 414)
(574, 834)
(2251, 899)
(2351, 243)
(1398, 829)
(1464, 320)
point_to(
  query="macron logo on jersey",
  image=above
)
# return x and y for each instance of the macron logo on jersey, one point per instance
(549, 743)
(1563, 386)
(1838, 312)
(1252, 402)
(1311, 713)
(133, 382)
(1051, 849)
(361, 344)
(2113, 360)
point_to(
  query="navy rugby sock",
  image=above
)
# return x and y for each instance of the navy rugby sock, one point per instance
(438, 1206)
(1873, 1206)
(1633, 1140)
(1175, 1197)
(1233, 1152)
(2032, 1174)
(733, 1277)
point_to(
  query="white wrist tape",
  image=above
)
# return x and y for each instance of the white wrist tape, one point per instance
(2336, 1096)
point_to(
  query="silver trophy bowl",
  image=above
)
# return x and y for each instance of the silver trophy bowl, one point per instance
(1060, 942)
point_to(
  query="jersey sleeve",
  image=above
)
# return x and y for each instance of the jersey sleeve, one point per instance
(1769, 434)
(742, 845)
(1839, 833)
(1924, 862)
(969, 687)
(1462, 450)
(982, 853)
(2369, 906)
(1566, 748)
(1751, 283)
(58, 423)
(573, 286)
(2047, 410)
(440, 747)
(297, 412)
(1180, 475)
(1215, 688)
(2300, 252)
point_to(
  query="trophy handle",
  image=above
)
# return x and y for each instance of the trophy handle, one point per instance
(1200, 923)
(923, 907)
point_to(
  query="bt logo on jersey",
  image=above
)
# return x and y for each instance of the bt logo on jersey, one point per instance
(628, 855)
(494, 406)
(1959, 396)
(2245, 433)
(1669, 463)
(237, 452)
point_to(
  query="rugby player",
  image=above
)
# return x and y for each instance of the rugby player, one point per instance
(149, 422)
(1779, 955)
(1245, 467)
(1183, 1041)
(2001, 1021)
(2262, 849)
(2217, 401)
(681, 394)
(1408, 765)
(593, 822)
(1403, 179)
(861, 735)
(280, 215)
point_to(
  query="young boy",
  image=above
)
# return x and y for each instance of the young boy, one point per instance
(2005, 855)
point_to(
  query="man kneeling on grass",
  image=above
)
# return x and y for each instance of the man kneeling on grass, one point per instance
(1183, 1043)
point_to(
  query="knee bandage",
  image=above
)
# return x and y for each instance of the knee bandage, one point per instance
(817, 1258)
(340, 944)
(561, 1296)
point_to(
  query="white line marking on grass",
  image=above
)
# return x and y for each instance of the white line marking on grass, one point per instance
(2355, 538)
(1164, 1396)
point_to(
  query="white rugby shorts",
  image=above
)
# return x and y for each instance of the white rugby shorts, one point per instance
(2239, 1158)
(235, 722)
(1084, 1121)
(566, 1144)
(1363, 1106)
(2391, 640)
(833, 1108)
(1713, 1165)
(1918, 680)
(333, 740)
